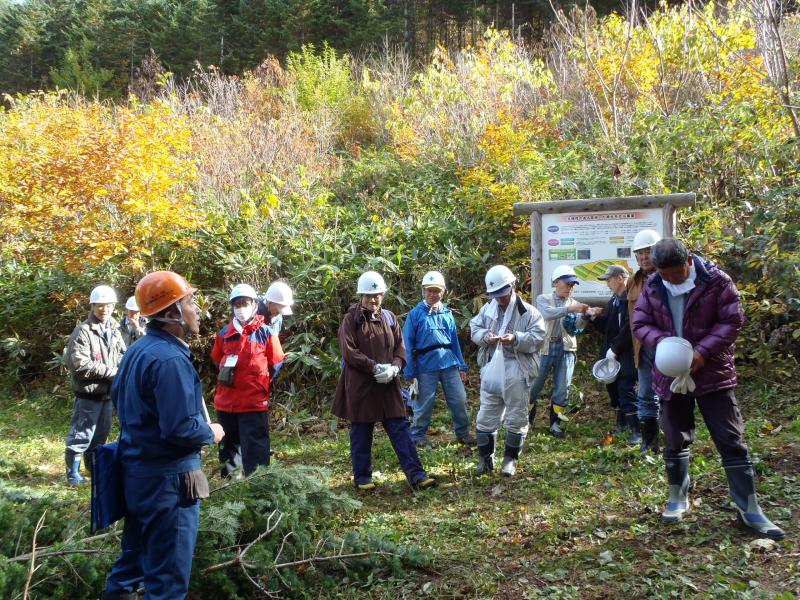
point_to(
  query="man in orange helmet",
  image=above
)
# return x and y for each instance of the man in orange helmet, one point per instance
(158, 397)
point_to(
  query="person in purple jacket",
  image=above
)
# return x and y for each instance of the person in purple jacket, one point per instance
(693, 299)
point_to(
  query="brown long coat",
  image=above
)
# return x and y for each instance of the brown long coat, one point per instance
(366, 340)
(634, 288)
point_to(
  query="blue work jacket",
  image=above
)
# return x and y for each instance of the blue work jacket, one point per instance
(158, 397)
(431, 341)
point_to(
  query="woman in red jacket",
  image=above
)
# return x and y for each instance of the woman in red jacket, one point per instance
(248, 357)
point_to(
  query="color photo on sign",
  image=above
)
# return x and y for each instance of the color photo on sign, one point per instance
(590, 241)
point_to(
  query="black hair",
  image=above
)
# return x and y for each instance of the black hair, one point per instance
(670, 252)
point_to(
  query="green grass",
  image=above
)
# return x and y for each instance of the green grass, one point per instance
(580, 520)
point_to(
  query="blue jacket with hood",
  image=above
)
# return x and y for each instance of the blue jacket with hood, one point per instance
(431, 341)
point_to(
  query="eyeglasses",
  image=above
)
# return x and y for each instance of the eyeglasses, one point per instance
(642, 252)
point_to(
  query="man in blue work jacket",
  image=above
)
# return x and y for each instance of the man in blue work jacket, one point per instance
(158, 397)
(433, 355)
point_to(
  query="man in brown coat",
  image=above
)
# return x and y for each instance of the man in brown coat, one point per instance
(373, 353)
(643, 358)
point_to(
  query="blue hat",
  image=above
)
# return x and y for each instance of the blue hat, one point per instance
(502, 292)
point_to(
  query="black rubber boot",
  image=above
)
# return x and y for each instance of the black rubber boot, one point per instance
(742, 486)
(620, 426)
(514, 443)
(532, 413)
(677, 465)
(650, 431)
(632, 425)
(486, 442)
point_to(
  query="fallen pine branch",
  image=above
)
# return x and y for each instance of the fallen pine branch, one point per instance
(32, 569)
(43, 552)
(66, 552)
(315, 559)
(238, 560)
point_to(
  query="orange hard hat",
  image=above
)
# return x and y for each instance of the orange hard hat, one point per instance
(159, 290)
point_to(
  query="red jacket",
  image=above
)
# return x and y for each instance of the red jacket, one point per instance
(260, 357)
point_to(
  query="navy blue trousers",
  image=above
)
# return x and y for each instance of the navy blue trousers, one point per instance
(722, 416)
(158, 540)
(622, 393)
(399, 434)
(246, 440)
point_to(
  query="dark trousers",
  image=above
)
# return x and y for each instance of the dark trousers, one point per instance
(399, 434)
(246, 441)
(158, 540)
(89, 426)
(721, 414)
(623, 394)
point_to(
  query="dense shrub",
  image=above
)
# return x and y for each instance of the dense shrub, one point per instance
(330, 167)
(294, 502)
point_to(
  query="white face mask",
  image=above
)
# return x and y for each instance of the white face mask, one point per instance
(682, 288)
(244, 313)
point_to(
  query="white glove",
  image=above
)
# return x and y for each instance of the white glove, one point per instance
(387, 375)
(682, 384)
(413, 389)
(379, 371)
(610, 355)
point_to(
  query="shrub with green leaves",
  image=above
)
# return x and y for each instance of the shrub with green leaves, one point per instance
(292, 504)
(294, 181)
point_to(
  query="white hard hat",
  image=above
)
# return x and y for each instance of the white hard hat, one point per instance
(563, 271)
(674, 356)
(645, 239)
(606, 370)
(499, 276)
(433, 279)
(103, 294)
(281, 293)
(243, 290)
(371, 283)
(131, 304)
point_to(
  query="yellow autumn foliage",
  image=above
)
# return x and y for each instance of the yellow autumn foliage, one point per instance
(451, 102)
(656, 61)
(84, 182)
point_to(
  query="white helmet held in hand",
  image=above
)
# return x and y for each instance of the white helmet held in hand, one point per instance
(674, 356)
(563, 271)
(645, 239)
(281, 293)
(131, 304)
(498, 277)
(606, 370)
(103, 294)
(243, 290)
(371, 282)
(433, 279)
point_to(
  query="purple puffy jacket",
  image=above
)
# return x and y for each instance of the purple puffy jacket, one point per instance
(712, 320)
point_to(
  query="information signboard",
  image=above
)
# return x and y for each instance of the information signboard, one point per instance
(592, 233)
(590, 242)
